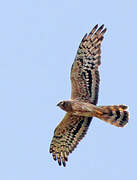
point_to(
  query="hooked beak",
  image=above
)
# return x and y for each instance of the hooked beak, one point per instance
(58, 104)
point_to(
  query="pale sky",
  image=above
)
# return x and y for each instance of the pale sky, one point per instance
(38, 43)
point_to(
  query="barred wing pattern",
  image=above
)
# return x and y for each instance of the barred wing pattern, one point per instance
(84, 72)
(67, 135)
(85, 86)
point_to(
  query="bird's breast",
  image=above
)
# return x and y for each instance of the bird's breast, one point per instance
(82, 109)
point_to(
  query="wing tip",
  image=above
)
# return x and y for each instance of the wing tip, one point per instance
(84, 38)
(95, 27)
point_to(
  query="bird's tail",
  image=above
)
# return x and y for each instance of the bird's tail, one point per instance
(116, 115)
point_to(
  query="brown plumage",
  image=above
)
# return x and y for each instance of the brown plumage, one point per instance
(81, 108)
(115, 115)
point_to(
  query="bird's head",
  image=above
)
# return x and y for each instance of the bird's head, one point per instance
(65, 105)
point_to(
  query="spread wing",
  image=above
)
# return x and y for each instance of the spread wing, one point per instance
(84, 72)
(67, 135)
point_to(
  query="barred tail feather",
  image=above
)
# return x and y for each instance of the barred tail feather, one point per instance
(116, 115)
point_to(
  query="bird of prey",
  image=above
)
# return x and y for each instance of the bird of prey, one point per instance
(81, 107)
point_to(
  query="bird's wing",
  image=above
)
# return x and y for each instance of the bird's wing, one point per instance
(84, 72)
(67, 135)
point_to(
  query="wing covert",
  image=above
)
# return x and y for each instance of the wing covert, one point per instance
(84, 72)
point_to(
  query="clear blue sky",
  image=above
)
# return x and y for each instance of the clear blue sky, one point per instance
(38, 43)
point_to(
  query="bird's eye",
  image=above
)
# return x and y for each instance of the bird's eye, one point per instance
(63, 103)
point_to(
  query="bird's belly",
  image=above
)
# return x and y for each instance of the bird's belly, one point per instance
(83, 113)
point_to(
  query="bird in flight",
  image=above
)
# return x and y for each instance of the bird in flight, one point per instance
(81, 107)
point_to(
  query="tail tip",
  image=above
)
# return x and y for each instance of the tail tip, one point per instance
(123, 106)
(124, 120)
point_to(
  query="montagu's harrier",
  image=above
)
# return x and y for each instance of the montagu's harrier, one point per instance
(81, 107)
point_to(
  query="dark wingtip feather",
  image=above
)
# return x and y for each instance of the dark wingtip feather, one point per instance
(95, 27)
(54, 157)
(59, 162)
(104, 31)
(64, 164)
(101, 27)
(84, 38)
